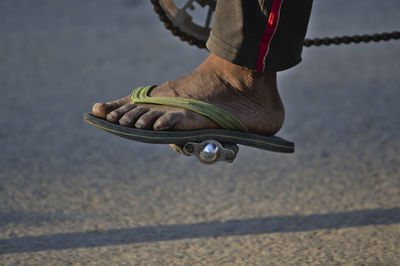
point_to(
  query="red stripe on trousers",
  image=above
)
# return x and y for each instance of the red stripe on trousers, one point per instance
(268, 34)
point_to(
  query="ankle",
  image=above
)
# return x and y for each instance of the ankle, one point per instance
(239, 77)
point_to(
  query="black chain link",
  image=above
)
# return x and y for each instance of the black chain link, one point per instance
(377, 37)
(175, 30)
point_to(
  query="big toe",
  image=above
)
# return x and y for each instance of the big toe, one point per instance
(100, 110)
(103, 109)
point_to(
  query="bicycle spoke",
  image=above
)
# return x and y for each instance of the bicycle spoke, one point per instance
(208, 19)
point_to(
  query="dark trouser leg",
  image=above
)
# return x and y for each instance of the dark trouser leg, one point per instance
(263, 35)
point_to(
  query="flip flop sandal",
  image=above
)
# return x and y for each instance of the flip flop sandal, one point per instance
(208, 145)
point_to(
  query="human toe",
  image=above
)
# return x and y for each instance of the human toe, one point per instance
(103, 109)
(146, 121)
(167, 121)
(130, 118)
(116, 115)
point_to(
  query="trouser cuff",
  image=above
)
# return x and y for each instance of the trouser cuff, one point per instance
(243, 58)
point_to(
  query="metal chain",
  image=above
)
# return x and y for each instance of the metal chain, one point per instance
(175, 30)
(377, 37)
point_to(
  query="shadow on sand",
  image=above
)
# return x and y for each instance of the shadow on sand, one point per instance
(254, 226)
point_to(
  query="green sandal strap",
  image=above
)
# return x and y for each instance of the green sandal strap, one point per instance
(216, 114)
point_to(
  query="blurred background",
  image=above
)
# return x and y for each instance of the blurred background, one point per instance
(70, 193)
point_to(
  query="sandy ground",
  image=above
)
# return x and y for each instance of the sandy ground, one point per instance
(71, 194)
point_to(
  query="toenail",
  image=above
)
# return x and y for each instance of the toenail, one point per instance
(160, 126)
(139, 124)
(97, 107)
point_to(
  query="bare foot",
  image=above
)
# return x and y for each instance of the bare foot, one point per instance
(252, 97)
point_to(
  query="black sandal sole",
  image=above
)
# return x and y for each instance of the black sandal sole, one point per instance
(269, 143)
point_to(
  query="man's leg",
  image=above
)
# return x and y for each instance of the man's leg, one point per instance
(248, 45)
(263, 35)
